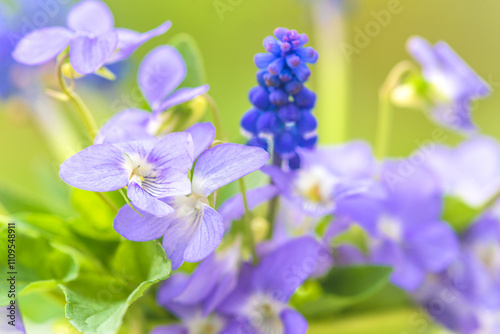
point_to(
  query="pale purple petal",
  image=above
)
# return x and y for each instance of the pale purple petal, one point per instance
(173, 151)
(282, 271)
(91, 16)
(224, 164)
(127, 125)
(203, 135)
(293, 322)
(183, 95)
(171, 329)
(142, 200)
(96, 168)
(129, 41)
(208, 236)
(42, 45)
(226, 285)
(89, 53)
(161, 71)
(234, 209)
(132, 226)
(169, 290)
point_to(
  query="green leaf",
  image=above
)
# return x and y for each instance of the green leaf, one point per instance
(190, 51)
(458, 214)
(39, 263)
(355, 236)
(96, 215)
(346, 286)
(97, 303)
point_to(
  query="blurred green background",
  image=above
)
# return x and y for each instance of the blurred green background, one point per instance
(228, 44)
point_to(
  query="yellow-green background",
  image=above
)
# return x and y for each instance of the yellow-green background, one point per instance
(472, 28)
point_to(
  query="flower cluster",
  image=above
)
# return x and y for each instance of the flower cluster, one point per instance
(282, 111)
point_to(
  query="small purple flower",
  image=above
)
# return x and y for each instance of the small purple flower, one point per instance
(469, 171)
(160, 73)
(195, 229)
(91, 36)
(326, 177)
(151, 169)
(259, 302)
(193, 319)
(405, 227)
(452, 84)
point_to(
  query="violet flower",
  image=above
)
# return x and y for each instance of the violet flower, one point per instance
(326, 177)
(91, 36)
(452, 84)
(195, 229)
(151, 169)
(468, 171)
(259, 302)
(160, 73)
(405, 227)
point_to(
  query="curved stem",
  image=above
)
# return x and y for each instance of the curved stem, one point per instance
(384, 123)
(84, 113)
(215, 114)
(247, 228)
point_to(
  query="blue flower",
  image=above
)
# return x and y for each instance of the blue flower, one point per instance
(282, 105)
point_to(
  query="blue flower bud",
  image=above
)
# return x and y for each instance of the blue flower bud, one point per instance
(276, 66)
(302, 72)
(269, 122)
(258, 142)
(307, 123)
(285, 75)
(308, 142)
(249, 120)
(278, 97)
(289, 113)
(294, 161)
(305, 98)
(262, 60)
(293, 87)
(271, 80)
(285, 143)
(259, 97)
(260, 77)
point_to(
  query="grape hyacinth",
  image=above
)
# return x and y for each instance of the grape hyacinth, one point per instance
(282, 105)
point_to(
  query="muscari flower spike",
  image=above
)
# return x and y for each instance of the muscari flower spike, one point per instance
(282, 109)
(448, 86)
(160, 73)
(195, 229)
(91, 36)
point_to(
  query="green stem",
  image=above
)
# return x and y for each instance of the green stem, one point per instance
(274, 203)
(332, 73)
(247, 228)
(216, 115)
(84, 113)
(490, 203)
(128, 202)
(384, 123)
(108, 202)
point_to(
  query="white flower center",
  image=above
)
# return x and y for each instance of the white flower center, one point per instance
(209, 325)
(489, 254)
(316, 184)
(138, 168)
(264, 314)
(390, 228)
(189, 205)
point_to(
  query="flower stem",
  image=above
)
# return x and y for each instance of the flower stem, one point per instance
(108, 202)
(384, 123)
(216, 116)
(274, 203)
(489, 204)
(247, 228)
(84, 113)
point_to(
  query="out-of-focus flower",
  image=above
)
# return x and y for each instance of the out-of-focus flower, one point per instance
(326, 177)
(92, 38)
(151, 169)
(448, 85)
(195, 229)
(160, 73)
(404, 226)
(469, 171)
(282, 105)
(259, 302)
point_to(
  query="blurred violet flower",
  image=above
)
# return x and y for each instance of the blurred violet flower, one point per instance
(404, 226)
(468, 171)
(151, 169)
(193, 319)
(326, 177)
(160, 73)
(195, 229)
(452, 84)
(92, 38)
(259, 302)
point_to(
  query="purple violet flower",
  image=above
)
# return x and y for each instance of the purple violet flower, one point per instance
(91, 36)
(151, 169)
(195, 229)
(326, 177)
(405, 227)
(160, 73)
(259, 302)
(453, 85)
